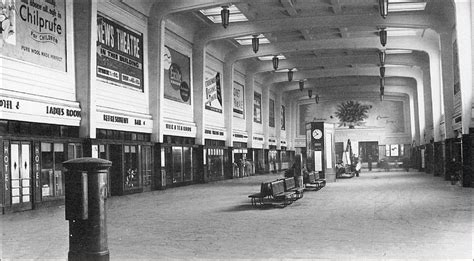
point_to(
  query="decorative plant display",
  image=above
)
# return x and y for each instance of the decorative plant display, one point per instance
(351, 113)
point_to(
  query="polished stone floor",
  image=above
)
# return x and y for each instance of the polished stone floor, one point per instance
(379, 215)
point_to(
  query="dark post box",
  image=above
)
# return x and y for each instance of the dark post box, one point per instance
(86, 192)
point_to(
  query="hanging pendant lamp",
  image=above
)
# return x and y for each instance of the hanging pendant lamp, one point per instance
(225, 16)
(275, 62)
(383, 8)
(382, 71)
(301, 83)
(310, 93)
(382, 56)
(255, 43)
(290, 75)
(383, 36)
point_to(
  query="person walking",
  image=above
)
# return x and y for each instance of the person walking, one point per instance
(369, 163)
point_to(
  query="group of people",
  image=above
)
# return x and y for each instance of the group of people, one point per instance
(354, 168)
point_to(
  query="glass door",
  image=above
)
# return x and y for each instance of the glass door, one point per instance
(146, 167)
(20, 176)
(369, 151)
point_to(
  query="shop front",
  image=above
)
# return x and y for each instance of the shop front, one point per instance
(32, 155)
(37, 137)
(131, 154)
(181, 161)
(216, 158)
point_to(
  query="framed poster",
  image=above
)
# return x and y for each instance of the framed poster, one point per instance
(238, 106)
(271, 116)
(257, 107)
(177, 76)
(119, 54)
(213, 91)
(35, 32)
(394, 150)
(282, 117)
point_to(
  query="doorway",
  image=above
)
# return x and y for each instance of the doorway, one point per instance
(369, 151)
(21, 189)
(116, 176)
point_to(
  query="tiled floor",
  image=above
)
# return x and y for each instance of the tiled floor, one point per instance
(379, 215)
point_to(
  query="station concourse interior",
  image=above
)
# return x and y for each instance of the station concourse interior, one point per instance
(194, 93)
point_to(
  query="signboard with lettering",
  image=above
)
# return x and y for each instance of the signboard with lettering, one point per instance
(179, 129)
(282, 117)
(177, 76)
(119, 54)
(257, 107)
(124, 122)
(35, 32)
(271, 116)
(238, 95)
(213, 91)
(14, 109)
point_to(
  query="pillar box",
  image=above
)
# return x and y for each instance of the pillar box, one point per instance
(86, 191)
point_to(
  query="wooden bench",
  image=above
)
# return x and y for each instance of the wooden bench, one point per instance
(265, 191)
(290, 185)
(279, 196)
(311, 183)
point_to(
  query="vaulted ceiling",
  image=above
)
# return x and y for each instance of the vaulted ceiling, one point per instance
(327, 43)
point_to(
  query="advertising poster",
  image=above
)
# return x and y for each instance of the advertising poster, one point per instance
(271, 109)
(177, 76)
(213, 92)
(283, 120)
(119, 54)
(238, 100)
(35, 32)
(257, 107)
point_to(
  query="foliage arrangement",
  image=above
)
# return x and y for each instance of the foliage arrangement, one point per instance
(351, 113)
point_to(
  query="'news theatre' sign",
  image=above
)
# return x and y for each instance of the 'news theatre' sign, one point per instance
(119, 54)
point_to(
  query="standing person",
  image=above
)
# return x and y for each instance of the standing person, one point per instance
(358, 167)
(370, 163)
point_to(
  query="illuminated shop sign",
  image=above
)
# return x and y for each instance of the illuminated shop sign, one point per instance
(35, 31)
(119, 54)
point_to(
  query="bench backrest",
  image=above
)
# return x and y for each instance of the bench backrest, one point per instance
(278, 187)
(289, 183)
(265, 189)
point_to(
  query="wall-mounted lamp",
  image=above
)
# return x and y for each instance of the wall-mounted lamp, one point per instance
(383, 36)
(225, 16)
(382, 56)
(310, 93)
(255, 43)
(290, 75)
(383, 8)
(275, 62)
(382, 71)
(317, 98)
(301, 83)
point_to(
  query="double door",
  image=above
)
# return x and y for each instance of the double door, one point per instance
(369, 151)
(21, 182)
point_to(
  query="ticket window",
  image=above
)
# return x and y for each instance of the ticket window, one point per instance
(52, 176)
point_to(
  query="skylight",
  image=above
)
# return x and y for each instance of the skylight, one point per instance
(286, 70)
(270, 57)
(405, 5)
(214, 14)
(247, 40)
(398, 51)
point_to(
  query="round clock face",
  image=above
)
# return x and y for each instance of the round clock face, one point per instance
(317, 134)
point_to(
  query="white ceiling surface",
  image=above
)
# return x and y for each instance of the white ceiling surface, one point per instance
(318, 36)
